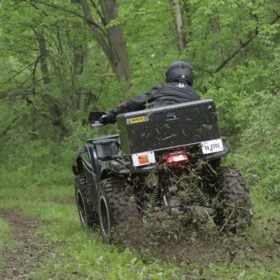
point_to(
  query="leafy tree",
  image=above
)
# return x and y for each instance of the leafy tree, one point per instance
(60, 59)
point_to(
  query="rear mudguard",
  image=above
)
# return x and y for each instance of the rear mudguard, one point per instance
(115, 166)
(96, 169)
(86, 162)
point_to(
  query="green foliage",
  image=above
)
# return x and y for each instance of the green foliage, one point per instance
(47, 91)
(5, 239)
(234, 48)
(259, 154)
(227, 42)
(4, 234)
(36, 164)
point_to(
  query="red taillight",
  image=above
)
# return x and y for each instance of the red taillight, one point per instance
(177, 158)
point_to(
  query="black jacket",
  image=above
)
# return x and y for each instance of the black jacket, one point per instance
(158, 96)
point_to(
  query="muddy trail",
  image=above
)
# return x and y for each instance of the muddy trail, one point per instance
(197, 243)
(26, 252)
(202, 244)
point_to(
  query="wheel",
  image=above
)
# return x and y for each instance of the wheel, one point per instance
(84, 202)
(115, 206)
(233, 207)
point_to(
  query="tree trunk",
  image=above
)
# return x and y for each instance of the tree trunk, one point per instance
(186, 13)
(120, 59)
(43, 56)
(111, 40)
(215, 24)
(181, 38)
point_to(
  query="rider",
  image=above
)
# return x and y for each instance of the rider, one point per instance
(177, 89)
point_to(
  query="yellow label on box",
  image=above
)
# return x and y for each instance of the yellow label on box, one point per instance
(137, 120)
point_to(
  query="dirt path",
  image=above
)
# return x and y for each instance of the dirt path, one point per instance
(27, 252)
(203, 244)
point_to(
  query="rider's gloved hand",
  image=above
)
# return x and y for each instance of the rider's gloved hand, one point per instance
(110, 117)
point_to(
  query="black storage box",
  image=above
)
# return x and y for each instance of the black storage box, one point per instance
(169, 126)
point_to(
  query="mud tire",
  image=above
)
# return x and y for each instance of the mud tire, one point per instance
(233, 207)
(85, 204)
(115, 205)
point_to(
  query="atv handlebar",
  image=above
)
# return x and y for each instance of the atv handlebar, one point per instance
(96, 124)
(94, 118)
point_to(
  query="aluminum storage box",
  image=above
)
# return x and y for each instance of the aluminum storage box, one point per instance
(169, 126)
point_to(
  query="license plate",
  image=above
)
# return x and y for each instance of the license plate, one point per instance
(212, 146)
(144, 158)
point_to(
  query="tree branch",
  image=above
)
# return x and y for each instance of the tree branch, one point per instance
(243, 45)
(20, 71)
(34, 69)
(90, 21)
(5, 131)
(98, 12)
(101, 38)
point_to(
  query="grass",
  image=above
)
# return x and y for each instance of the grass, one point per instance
(5, 240)
(79, 254)
(82, 255)
(4, 232)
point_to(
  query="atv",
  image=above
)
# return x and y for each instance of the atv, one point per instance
(164, 160)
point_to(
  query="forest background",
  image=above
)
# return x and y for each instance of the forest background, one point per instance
(61, 59)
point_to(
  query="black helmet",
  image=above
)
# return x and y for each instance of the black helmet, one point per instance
(179, 71)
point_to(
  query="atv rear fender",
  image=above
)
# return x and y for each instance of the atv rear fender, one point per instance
(86, 160)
